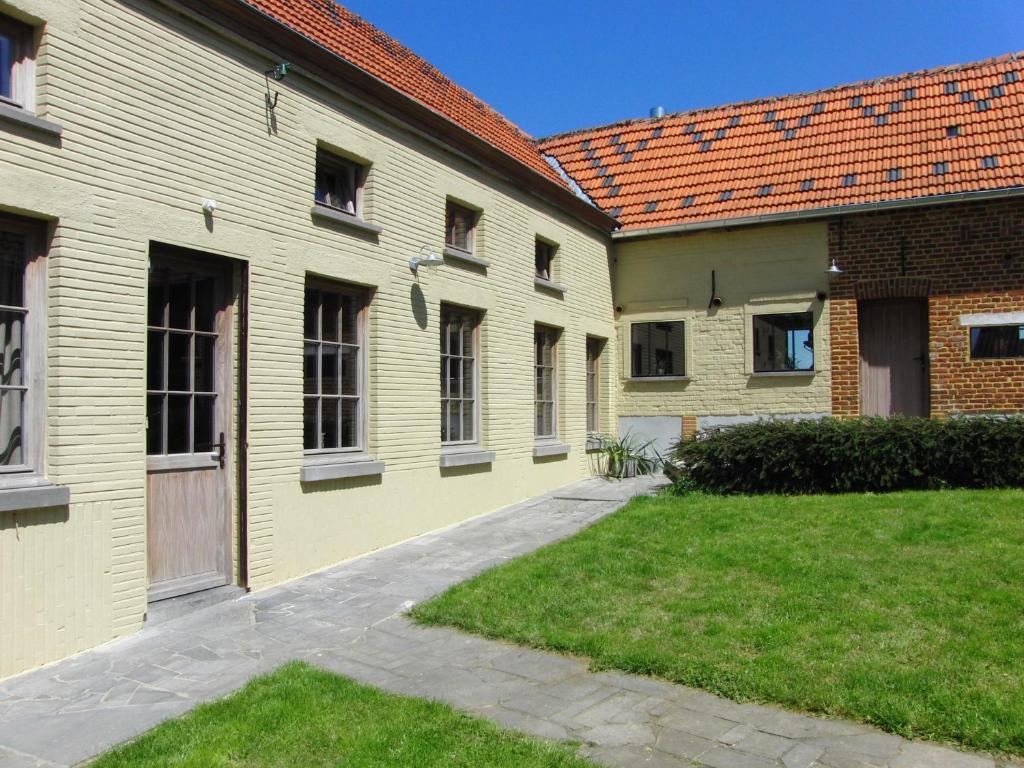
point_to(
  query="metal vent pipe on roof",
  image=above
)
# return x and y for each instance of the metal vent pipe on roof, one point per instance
(657, 112)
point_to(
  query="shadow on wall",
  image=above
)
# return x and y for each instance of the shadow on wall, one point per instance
(14, 521)
(418, 303)
(328, 486)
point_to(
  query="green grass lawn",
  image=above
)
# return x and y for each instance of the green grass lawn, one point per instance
(301, 716)
(905, 610)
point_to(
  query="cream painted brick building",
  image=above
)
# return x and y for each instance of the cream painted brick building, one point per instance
(179, 117)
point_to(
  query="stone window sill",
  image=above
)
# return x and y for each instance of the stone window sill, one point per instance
(33, 495)
(658, 378)
(465, 257)
(549, 285)
(17, 116)
(333, 215)
(465, 457)
(339, 467)
(780, 374)
(543, 450)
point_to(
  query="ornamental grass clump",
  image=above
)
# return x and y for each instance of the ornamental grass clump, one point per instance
(853, 455)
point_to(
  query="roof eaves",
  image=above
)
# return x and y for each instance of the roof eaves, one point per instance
(807, 214)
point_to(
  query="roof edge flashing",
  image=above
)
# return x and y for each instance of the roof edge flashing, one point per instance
(810, 214)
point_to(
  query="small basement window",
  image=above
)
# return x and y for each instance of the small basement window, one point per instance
(997, 341)
(657, 349)
(460, 227)
(543, 259)
(17, 64)
(339, 183)
(784, 342)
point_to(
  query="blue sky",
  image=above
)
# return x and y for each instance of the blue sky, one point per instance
(556, 65)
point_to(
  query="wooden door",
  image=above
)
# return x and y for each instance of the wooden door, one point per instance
(188, 424)
(893, 357)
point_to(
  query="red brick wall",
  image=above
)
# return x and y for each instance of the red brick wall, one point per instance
(966, 258)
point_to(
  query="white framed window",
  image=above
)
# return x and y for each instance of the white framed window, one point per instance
(783, 342)
(594, 348)
(460, 376)
(993, 342)
(17, 63)
(545, 342)
(460, 227)
(334, 368)
(658, 349)
(339, 183)
(22, 347)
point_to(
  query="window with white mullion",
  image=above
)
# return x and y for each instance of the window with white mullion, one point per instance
(459, 400)
(593, 385)
(333, 388)
(546, 384)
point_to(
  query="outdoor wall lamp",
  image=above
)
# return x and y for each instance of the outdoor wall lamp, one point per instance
(209, 206)
(278, 72)
(834, 269)
(427, 257)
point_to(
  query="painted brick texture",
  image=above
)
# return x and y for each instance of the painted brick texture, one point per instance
(966, 258)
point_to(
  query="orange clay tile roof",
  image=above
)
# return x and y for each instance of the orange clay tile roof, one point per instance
(343, 33)
(925, 133)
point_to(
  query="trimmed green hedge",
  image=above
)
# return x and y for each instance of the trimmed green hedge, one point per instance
(853, 455)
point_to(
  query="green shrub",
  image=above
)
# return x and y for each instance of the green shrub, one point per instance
(853, 455)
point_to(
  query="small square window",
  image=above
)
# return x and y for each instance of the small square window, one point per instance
(894, 174)
(804, 121)
(849, 180)
(725, 195)
(784, 342)
(868, 111)
(856, 101)
(657, 349)
(769, 116)
(780, 125)
(896, 106)
(705, 146)
(989, 162)
(764, 191)
(952, 131)
(952, 87)
(656, 133)
(687, 201)
(339, 183)
(790, 133)
(909, 93)
(543, 259)
(940, 169)
(460, 227)
(807, 185)
(689, 128)
(997, 341)
(882, 120)
(17, 64)
(966, 96)
(720, 133)
(982, 105)
(734, 121)
(818, 108)
(996, 90)
(1011, 76)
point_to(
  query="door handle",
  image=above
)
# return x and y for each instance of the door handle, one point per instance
(221, 447)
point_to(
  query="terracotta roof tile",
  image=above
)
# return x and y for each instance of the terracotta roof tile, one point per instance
(357, 41)
(824, 136)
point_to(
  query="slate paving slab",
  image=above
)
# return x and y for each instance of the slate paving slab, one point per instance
(350, 619)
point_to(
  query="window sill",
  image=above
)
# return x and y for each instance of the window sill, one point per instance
(18, 116)
(339, 467)
(326, 213)
(658, 378)
(33, 494)
(548, 285)
(459, 255)
(780, 374)
(183, 461)
(543, 450)
(594, 444)
(465, 458)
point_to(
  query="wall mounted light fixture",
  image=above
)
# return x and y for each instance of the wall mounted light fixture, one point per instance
(833, 269)
(209, 206)
(427, 257)
(278, 72)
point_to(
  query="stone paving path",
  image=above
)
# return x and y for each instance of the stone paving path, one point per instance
(348, 619)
